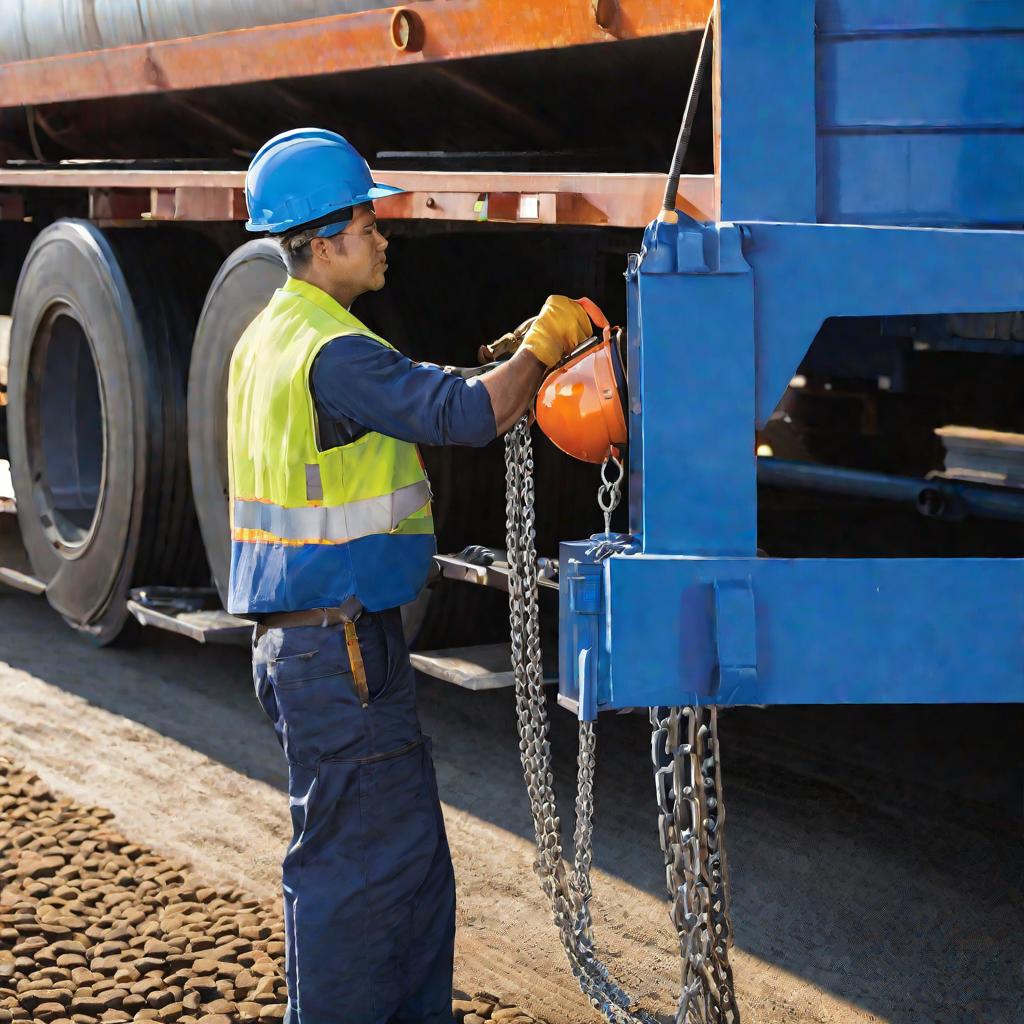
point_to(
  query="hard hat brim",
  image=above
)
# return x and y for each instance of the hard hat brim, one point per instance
(378, 190)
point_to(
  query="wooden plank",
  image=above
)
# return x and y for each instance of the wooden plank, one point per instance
(22, 581)
(205, 626)
(485, 667)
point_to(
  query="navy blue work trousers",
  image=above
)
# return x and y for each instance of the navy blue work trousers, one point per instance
(369, 891)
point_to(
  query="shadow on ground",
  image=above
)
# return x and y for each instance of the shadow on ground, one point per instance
(875, 852)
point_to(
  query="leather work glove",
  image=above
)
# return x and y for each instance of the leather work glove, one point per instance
(560, 326)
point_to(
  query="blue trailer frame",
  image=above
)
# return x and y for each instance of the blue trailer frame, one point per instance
(871, 164)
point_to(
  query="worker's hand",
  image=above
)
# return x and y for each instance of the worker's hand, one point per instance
(560, 326)
(506, 345)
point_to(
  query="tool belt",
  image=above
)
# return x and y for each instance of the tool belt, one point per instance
(323, 617)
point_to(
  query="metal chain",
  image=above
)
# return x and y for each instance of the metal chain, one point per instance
(569, 895)
(609, 494)
(691, 828)
(690, 824)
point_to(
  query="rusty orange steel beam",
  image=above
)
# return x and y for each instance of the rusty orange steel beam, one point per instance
(607, 200)
(603, 200)
(68, 176)
(417, 32)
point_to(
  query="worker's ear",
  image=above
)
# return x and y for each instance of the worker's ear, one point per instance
(321, 248)
(330, 249)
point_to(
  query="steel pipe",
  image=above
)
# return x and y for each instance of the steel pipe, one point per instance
(936, 498)
(50, 28)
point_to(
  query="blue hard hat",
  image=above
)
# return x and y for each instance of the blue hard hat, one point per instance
(303, 175)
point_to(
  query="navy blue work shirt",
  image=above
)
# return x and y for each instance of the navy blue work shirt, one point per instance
(359, 385)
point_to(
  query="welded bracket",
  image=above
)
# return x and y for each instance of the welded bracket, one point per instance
(735, 628)
(826, 631)
(693, 488)
(584, 600)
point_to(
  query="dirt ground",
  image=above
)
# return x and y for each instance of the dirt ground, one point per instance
(876, 855)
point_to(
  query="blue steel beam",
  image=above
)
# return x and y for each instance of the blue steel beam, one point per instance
(805, 273)
(720, 317)
(691, 368)
(676, 630)
(767, 164)
(718, 627)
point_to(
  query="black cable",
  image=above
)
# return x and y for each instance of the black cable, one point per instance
(685, 127)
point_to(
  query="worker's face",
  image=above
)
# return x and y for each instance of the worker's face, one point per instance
(355, 259)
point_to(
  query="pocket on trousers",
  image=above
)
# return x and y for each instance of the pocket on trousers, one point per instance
(322, 717)
(265, 693)
(290, 670)
(315, 696)
(395, 656)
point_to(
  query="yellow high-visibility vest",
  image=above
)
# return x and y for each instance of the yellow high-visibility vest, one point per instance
(311, 528)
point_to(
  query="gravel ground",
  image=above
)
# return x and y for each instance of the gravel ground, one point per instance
(95, 928)
(876, 854)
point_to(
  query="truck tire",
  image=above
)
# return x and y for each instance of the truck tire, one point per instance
(242, 287)
(102, 327)
(15, 239)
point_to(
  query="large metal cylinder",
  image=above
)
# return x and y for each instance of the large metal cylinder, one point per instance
(45, 28)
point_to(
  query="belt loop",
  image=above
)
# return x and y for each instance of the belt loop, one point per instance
(323, 621)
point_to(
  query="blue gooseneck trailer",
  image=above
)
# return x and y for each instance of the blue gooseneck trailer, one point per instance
(871, 166)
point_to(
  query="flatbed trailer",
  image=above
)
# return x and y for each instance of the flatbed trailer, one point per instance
(77, 134)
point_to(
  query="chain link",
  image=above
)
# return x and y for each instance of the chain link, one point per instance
(609, 494)
(688, 782)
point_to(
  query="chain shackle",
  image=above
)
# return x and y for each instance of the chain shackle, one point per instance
(609, 493)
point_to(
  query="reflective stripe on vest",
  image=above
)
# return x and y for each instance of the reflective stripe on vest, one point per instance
(330, 524)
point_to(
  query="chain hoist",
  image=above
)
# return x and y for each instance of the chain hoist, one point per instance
(687, 781)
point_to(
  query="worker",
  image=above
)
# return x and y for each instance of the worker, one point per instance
(331, 534)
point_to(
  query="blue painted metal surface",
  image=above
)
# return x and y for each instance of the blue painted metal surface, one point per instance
(582, 653)
(904, 120)
(698, 492)
(805, 273)
(864, 111)
(807, 631)
(921, 128)
(768, 160)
